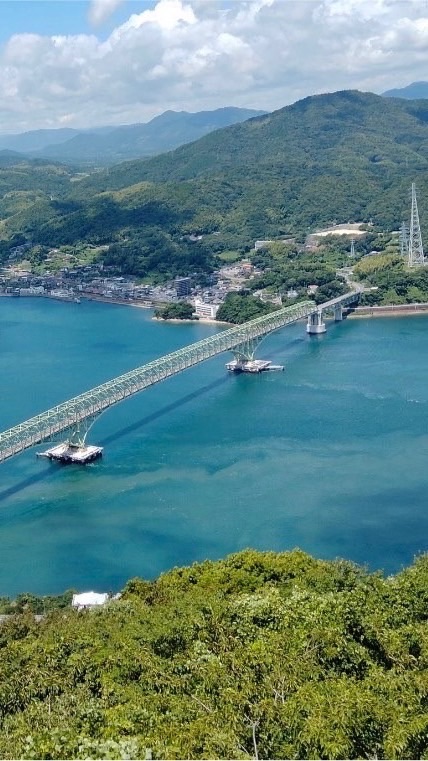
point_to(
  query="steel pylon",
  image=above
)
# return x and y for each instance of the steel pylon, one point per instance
(416, 251)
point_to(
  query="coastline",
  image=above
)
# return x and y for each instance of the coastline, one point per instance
(386, 310)
(392, 310)
(120, 302)
(199, 320)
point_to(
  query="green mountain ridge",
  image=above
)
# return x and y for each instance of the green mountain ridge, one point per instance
(163, 133)
(340, 157)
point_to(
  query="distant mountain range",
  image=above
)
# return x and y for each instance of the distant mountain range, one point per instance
(414, 91)
(346, 156)
(339, 157)
(110, 145)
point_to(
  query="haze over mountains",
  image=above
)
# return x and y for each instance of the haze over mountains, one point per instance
(414, 91)
(110, 145)
(105, 146)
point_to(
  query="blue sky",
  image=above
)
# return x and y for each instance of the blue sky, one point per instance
(51, 17)
(83, 63)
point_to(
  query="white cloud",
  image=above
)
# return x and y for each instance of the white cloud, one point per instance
(100, 10)
(198, 54)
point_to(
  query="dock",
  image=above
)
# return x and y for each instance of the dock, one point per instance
(67, 453)
(252, 366)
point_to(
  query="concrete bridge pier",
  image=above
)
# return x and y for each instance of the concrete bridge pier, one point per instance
(338, 313)
(315, 324)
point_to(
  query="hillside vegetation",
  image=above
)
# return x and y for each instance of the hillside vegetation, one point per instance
(260, 655)
(344, 157)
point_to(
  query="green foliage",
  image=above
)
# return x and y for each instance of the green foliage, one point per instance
(180, 310)
(285, 269)
(345, 156)
(275, 655)
(34, 604)
(395, 283)
(339, 157)
(238, 308)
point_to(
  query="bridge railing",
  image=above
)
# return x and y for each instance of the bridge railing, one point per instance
(91, 403)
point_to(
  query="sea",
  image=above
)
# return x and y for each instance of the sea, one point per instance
(329, 456)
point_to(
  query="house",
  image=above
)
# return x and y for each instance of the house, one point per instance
(89, 600)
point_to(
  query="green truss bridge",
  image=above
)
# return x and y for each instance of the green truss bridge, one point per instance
(78, 414)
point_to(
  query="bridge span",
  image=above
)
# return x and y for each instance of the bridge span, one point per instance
(78, 414)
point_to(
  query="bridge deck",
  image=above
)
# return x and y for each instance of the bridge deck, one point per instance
(91, 403)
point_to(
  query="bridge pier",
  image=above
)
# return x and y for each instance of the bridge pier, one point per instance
(338, 313)
(315, 324)
(77, 415)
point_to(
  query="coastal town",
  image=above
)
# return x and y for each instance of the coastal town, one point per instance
(96, 281)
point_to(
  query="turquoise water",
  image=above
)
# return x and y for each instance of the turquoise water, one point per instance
(330, 455)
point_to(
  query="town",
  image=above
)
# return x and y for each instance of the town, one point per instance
(73, 281)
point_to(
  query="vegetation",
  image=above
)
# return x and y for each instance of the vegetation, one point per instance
(285, 270)
(180, 310)
(268, 655)
(394, 283)
(339, 157)
(240, 307)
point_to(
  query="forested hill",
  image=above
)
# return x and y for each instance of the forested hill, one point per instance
(340, 132)
(344, 157)
(260, 655)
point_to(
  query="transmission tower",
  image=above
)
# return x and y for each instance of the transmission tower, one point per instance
(416, 251)
(352, 252)
(404, 240)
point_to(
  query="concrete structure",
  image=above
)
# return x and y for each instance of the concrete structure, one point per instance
(208, 311)
(89, 600)
(315, 324)
(183, 286)
(68, 452)
(252, 366)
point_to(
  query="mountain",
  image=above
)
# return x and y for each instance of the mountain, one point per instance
(340, 157)
(163, 133)
(10, 158)
(39, 139)
(29, 185)
(36, 140)
(414, 91)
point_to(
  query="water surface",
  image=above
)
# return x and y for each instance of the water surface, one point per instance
(329, 456)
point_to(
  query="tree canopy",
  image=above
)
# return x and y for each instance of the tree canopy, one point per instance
(259, 655)
(339, 157)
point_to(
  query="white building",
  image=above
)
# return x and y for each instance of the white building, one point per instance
(89, 600)
(209, 311)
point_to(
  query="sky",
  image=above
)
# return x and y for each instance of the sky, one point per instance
(87, 63)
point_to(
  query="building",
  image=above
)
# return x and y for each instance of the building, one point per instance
(261, 244)
(207, 311)
(89, 600)
(183, 286)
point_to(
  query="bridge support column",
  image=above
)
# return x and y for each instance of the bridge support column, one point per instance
(315, 324)
(338, 313)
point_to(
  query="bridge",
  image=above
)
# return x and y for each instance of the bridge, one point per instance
(78, 414)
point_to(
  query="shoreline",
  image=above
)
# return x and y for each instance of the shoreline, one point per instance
(199, 320)
(392, 310)
(386, 310)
